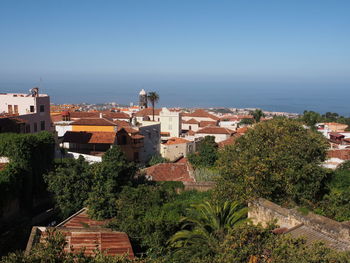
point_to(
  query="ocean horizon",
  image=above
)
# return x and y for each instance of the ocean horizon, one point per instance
(280, 97)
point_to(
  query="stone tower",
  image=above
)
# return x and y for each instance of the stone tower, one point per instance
(143, 99)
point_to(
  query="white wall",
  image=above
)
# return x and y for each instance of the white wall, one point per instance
(186, 126)
(170, 121)
(218, 137)
(88, 158)
(62, 127)
(24, 104)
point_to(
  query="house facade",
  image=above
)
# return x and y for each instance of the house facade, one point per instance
(33, 109)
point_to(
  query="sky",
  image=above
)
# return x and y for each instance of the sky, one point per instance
(90, 45)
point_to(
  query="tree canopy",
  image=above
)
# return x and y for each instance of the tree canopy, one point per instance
(207, 153)
(277, 159)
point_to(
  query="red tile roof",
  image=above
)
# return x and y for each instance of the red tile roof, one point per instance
(227, 142)
(207, 123)
(170, 172)
(215, 130)
(229, 118)
(176, 140)
(336, 135)
(89, 137)
(148, 112)
(191, 121)
(96, 114)
(201, 114)
(242, 130)
(94, 122)
(343, 154)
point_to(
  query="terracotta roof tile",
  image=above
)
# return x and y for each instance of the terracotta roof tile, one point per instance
(176, 140)
(242, 130)
(170, 172)
(227, 142)
(207, 123)
(148, 112)
(94, 122)
(191, 121)
(89, 137)
(215, 130)
(201, 114)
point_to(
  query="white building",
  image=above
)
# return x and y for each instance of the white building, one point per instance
(220, 133)
(34, 108)
(170, 122)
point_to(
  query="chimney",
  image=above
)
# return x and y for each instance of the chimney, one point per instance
(101, 115)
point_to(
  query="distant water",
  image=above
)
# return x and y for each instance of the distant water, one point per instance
(273, 97)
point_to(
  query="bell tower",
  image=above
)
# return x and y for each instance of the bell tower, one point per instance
(143, 99)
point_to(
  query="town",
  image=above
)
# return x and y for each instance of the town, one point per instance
(79, 170)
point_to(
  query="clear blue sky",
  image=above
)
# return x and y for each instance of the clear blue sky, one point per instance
(250, 38)
(262, 40)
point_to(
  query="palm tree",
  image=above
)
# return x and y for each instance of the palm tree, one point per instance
(207, 227)
(153, 97)
(257, 115)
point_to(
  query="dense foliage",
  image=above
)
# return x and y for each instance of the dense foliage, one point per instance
(278, 160)
(108, 177)
(70, 182)
(75, 184)
(206, 228)
(336, 203)
(244, 243)
(310, 118)
(31, 155)
(207, 153)
(151, 214)
(156, 159)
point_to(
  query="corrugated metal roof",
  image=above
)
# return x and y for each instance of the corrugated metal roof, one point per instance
(312, 236)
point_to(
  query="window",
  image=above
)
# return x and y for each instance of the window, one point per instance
(42, 108)
(9, 107)
(16, 109)
(42, 125)
(35, 127)
(27, 128)
(190, 127)
(31, 108)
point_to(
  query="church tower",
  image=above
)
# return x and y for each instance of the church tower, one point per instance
(143, 99)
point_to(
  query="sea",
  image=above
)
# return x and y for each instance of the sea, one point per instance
(271, 96)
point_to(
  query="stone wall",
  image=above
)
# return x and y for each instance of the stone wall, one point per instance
(263, 211)
(199, 186)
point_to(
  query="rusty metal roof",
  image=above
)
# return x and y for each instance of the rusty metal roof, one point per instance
(83, 233)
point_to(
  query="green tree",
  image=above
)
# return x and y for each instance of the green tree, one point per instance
(246, 121)
(108, 177)
(206, 227)
(70, 183)
(310, 118)
(207, 153)
(257, 115)
(153, 97)
(156, 159)
(278, 160)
